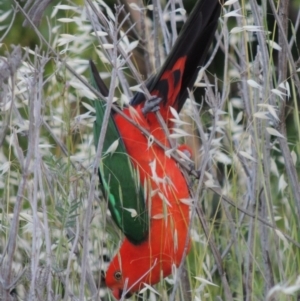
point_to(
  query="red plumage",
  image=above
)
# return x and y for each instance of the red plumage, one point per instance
(169, 217)
(167, 189)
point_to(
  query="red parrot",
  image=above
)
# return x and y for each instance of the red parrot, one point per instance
(149, 258)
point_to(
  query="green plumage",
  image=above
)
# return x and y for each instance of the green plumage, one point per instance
(119, 180)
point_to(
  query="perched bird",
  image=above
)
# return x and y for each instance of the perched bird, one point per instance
(146, 190)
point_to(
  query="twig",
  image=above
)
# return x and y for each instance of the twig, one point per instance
(8, 30)
(144, 42)
(296, 27)
(173, 22)
(36, 100)
(47, 233)
(6, 273)
(156, 14)
(265, 246)
(72, 251)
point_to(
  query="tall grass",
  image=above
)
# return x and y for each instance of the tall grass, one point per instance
(56, 237)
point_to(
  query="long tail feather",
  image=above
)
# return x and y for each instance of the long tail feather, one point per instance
(187, 56)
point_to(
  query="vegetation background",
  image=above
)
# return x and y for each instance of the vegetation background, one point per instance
(56, 237)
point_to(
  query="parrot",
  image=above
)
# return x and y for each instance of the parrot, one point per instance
(147, 193)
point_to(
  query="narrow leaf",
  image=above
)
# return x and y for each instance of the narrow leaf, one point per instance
(203, 280)
(229, 2)
(246, 155)
(282, 183)
(112, 148)
(274, 45)
(233, 13)
(278, 93)
(132, 211)
(252, 83)
(274, 132)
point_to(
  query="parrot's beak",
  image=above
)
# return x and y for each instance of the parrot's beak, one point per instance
(117, 293)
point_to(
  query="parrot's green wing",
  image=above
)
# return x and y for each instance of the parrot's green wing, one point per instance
(119, 180)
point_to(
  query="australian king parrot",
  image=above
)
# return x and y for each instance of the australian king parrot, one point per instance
(145, 188)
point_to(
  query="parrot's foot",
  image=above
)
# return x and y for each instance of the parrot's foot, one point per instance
(151, 105)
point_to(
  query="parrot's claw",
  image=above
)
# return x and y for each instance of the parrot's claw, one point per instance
(151, 105)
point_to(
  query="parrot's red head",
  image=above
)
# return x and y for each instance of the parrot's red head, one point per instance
(115, 279)
(135, 265)
(148, 262)
(130, 268)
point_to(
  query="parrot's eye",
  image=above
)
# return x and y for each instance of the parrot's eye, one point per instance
(118, 275)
